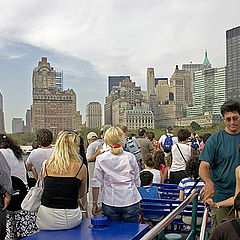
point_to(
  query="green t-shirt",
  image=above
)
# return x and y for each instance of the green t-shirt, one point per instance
(221, 151)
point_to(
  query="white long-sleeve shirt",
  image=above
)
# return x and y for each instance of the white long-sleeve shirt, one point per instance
(118, 177)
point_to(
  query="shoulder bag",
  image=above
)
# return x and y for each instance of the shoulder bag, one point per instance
(32, 200)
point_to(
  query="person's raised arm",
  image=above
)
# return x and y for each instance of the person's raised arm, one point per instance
(208, 189)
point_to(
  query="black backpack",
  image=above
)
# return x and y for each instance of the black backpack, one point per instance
(20, 190)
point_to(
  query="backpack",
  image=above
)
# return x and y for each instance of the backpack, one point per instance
(131, 147)
(20, 190)
(195, 145)
(168, 142)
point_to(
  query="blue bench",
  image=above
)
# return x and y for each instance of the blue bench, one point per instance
(163, 207)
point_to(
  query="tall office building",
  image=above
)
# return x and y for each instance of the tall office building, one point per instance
(17, 125)
(126, 96)
(150, 82)
(52, 108)
(210, 92)
(192, 68)
(233, 63)
(180, 88)
(114, 81)
(94, 115)
(162, 91)
(28, 120)
(2, 127)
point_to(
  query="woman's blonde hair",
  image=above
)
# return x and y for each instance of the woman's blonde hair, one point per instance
(64, 152)
(114, 136)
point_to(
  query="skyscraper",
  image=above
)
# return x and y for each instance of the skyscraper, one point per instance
(192, 67)
(17, 125)
(150, 82)
(94, 115)
(2, 128)
(52, 108)
(233, 63)
(114, 81)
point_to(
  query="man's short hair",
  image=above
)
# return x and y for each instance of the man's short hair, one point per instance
(169, 129)
(230, 106)
(141, 132)
(44, 137)
(183, 134)
(146, 178)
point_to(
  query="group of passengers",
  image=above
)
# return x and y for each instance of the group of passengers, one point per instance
(116, 162)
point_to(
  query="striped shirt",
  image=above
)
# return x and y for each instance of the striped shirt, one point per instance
(187, 183)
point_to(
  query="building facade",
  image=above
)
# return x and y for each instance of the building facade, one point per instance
(192, 68)
(17, 125)
(94, 115)
(136, 119)
(52, 108)
(127, 96)
(115, 81)
(233, 63)
(210, 92)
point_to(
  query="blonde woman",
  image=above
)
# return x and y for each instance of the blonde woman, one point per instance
(64, 182)
(117, 173)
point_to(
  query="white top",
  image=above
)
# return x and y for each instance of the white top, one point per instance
(156, 175)
(162, 140)
(38, 156)
(118, 177)
(17, 167)
(178, 163)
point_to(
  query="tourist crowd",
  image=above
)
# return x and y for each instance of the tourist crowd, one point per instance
(115, 172)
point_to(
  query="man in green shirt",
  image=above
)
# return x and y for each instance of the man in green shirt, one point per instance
(219, 159)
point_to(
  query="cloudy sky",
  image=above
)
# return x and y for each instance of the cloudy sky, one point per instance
(92, 39)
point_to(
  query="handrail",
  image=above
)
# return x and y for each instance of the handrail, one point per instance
(204, 223)
(170, 217)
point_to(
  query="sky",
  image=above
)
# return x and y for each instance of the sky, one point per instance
(91, 40)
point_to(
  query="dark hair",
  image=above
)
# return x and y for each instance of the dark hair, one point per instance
(230, 106)
(124, 128)
(150, 135)
(141, 132)
(81, 144)
(205, 137)
(35, 144)
(169, 129)
(148, 160)
(237, 203)
(192, 167)
(183, 134)
(8, 142)
(146, 178)
(159, 158)
(44, 137)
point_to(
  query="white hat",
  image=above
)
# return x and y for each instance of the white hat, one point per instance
(92, 136)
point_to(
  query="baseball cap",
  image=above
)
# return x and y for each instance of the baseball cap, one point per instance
(92, 136)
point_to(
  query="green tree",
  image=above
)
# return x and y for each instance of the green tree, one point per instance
(195, 126)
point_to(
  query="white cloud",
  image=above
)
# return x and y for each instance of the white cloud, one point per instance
(122, 37)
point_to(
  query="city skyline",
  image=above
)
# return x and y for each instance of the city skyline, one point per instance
(120, 38)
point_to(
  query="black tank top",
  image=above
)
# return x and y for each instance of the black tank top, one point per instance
(61, 192)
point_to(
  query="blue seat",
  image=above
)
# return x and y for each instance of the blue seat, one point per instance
(163, 207)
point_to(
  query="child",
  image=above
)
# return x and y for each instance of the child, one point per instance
(149, 166)
(148, 191)
(185, 185)
(159, 160)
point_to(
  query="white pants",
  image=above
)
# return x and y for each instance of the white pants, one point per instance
(58, 219)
